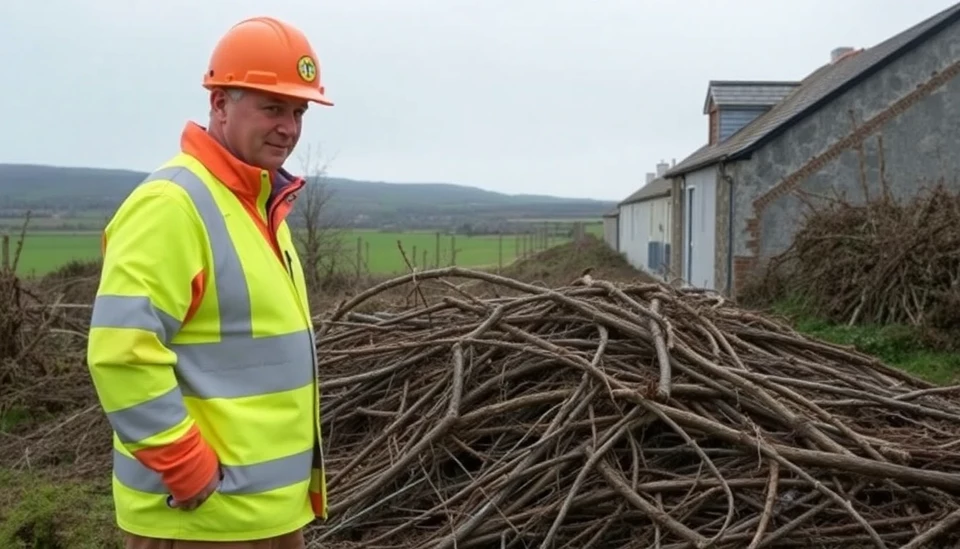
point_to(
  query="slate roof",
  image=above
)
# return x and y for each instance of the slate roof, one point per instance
(657, 188)
(746, 93)
(814, 91)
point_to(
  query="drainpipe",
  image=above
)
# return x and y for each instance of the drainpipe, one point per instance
(682, 249)
(726, 177)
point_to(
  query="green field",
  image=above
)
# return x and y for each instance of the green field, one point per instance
(44, 251)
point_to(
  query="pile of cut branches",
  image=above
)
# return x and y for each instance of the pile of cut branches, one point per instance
(586, 415)
(45, 390)
(597, 415)
(881, 262)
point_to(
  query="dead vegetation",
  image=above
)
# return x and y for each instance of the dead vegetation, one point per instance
(874, 259)
(601, 415)
(465, 409)
(882, 262)
(328, 262)
(41, 346)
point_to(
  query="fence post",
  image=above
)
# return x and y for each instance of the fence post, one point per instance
(453, 250)
(5, 253)
(359, 254)
(499, 251)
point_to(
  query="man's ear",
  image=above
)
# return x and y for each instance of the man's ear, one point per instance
(218, 103)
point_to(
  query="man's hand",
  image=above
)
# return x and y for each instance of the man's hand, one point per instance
(196, 501)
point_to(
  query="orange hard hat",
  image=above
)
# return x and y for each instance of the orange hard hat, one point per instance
(266, 54)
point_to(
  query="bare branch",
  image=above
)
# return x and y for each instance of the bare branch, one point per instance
(317, 226)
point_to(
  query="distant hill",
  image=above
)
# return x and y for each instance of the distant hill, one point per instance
(81, 192)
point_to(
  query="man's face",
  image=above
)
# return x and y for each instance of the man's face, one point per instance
(259, 128)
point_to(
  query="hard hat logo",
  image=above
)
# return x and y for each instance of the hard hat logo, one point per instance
(307, 69)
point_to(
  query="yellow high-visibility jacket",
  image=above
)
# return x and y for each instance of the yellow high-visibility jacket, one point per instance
(202, 352)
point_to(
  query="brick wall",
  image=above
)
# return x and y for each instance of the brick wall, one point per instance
(743, 266)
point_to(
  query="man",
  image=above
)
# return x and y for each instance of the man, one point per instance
(201, 344)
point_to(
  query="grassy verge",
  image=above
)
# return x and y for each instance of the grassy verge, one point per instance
(898, 346)
(37, 512)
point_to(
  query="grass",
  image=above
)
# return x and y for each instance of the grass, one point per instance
(37, 512)
(92, 222)
(11, 418)
(898, 346)
(45, 251)
(471, 251)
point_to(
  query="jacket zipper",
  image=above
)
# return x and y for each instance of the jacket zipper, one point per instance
(313, 351)
(316, 374)
(290, 267)
(268, 224)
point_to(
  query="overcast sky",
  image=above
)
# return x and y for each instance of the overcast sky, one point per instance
(564, 97)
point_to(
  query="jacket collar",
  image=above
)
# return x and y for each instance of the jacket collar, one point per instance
(246, 181)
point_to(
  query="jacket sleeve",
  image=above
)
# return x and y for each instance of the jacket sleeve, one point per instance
(152, 280)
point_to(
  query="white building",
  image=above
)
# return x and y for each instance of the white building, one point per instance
(644, 224)
(611, 229)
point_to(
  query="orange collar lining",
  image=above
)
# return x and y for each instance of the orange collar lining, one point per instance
(240, 177)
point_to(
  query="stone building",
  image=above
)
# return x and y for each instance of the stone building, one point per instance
(738, 198)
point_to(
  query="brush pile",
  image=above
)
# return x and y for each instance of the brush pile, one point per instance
(39, 336)
(49, 415)
(881, 262)
(495, 413)
(595, 415)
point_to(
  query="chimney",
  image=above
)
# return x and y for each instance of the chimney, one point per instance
(650, 177)
(662, 168)
(839, 53)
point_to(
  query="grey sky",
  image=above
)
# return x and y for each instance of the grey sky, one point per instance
(563, 97)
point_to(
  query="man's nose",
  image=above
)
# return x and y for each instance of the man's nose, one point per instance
(288, 125)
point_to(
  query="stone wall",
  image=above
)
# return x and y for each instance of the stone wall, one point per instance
(912, 105)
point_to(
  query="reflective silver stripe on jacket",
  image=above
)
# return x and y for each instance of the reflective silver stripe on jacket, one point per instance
(238, 365)
(124, 311)
(162, 412)
(237, 479)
